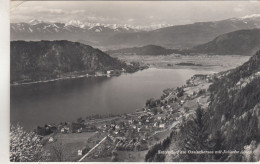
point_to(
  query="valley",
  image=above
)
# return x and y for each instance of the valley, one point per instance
(117, 82)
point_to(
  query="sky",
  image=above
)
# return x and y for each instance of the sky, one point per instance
(131, 12)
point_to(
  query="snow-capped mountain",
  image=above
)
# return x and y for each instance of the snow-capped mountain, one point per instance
(122, 36)
(183, 36)
(251, 16)
(34, 22)
(74, 30)
(72, 26)
(249, 19)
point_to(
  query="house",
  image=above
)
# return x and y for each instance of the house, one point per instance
(138, 129)
(117, 127)
(79, 130)
(162, 126)
(79, 152)
(67, 129)
(51, 139)
(112, 125)
(156, 124)
(130, 121)
(151, 113)
(109, 72)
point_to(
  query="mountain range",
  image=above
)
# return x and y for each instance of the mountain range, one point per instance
(241, 42)
(183, 36)
(38, 30)
(115, 37)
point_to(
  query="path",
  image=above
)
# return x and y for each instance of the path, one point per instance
(92, 149)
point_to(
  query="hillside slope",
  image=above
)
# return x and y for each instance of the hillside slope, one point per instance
(152, 50)
(225, 127)
(235, 108)
(242, 42)
(41, 60)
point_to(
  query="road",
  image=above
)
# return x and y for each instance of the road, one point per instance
(92, 149)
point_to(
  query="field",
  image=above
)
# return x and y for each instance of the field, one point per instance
(70, 144)
(215, 63)
(131, 156)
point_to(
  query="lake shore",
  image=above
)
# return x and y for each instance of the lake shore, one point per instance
(78, 75)
(159, 116)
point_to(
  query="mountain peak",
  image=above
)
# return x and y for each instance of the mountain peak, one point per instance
(35, 21)
(251, 16)
(76, 23)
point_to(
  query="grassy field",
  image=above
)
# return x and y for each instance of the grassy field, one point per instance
(108, 159)
(158, 137)
(131, 156)
(215, 63)
(74, 137)
(70, 144)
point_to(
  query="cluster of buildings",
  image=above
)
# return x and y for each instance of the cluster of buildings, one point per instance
(110, 72)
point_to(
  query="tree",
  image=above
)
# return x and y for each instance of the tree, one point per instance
(24, 146)
(114, 157)
(58, 151)
(195, 136)
(80, 120)
(219, 145)
(248, 154)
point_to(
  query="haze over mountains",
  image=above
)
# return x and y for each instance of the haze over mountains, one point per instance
(114, 37)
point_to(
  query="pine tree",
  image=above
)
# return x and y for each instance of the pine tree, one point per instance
(219, 145)
(195, 136)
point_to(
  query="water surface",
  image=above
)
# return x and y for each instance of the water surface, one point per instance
(66, 100)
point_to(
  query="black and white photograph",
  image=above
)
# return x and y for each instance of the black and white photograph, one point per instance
(134, 81)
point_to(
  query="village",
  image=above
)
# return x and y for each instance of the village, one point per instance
(98, 138)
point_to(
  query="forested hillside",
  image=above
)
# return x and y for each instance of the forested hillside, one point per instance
(241, 42)
(228, 129)
(42, 60)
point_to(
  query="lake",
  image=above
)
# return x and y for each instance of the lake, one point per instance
(66, 100)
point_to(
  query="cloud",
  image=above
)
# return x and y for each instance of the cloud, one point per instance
(133, 12)
(131, 20)
(238, 9)
(77, 11)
